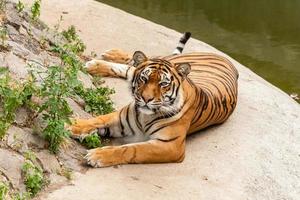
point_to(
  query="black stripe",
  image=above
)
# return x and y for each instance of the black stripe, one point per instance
(121, 124)
(128, 122)
(186, 36)
(168, 140)
(180, 49)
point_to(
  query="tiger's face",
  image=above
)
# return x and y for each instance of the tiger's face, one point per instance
(156, 85)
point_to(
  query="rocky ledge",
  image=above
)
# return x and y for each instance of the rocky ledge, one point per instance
(26, 43)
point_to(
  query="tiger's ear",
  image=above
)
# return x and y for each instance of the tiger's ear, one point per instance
(138, 58)
(183, 69)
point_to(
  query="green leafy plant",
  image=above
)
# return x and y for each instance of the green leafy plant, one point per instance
(3, 190)
(2, 5)
(36, 10)
(33, 174)
(66, 173)
(97, 100)
(57, 84)
(21, 196)
(75, 44)
(55, 89)
(92, 141)
(12, 96)
(20, 6)
(3, 35)
(97, 81)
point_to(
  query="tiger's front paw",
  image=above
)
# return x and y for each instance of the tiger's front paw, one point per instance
(104, 157)
(81, 128)
(117, 56)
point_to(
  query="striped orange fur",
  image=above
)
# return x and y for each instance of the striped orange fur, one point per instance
(174, 96)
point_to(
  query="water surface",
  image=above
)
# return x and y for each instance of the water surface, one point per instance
(264, 35)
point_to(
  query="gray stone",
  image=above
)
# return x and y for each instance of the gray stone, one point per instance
(53, 37)
(78, 112)
(32, 45)
(47, 59)
(16, 66)
(13, 18)
(12, 30)
(85, 79)
(2, 60)
(21, 116)
(49, 162)
(19, 49)
(23, 30)
(23, 139)
(72, 157)
(10, 165)
(56, 180)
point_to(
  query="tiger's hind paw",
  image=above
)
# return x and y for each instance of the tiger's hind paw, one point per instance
(98, 67)
(117, 56)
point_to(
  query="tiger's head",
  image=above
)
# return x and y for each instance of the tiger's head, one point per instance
(157, 84)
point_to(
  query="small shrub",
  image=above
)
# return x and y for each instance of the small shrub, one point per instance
(75, 44)
(58, 83)
(3, 35)
(92, 141)
(55, 89)
(21, 196)
(66, 173)
(2, 5)
(36, 10)
(33, 175)
(3, 191)
(97, 100)
(97, 81)
(12, 96)
(20, 6)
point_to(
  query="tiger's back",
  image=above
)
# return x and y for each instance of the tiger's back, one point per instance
(213, 78)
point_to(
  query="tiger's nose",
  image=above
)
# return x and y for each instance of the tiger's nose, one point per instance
(147, 99)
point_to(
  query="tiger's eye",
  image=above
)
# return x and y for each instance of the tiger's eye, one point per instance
(143, 78)
(164, 84)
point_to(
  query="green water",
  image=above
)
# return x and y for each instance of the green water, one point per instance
(264, 35)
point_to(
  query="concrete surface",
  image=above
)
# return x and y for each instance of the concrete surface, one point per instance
(254, 155)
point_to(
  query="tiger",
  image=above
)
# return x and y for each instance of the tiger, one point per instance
(174, 96)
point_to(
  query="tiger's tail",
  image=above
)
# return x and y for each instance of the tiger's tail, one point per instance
(178, 50)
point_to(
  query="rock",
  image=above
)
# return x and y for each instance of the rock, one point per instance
(2, 60)
(21, 116)
(48, 60)
(78, 112)
(12, 18)
(32, 45)
(53, 37)
(49, 162)
(16, 66)
(11, 30)
(56, 180)
(11, 166)
(72, 157)
(22, 140)
(86, 80)
(19, 49)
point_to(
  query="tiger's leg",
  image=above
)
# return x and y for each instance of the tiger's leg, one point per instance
(110, 69)
(83, 127)
(107, 125)
(170, 148)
